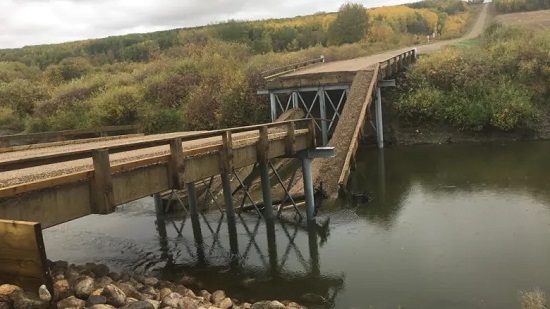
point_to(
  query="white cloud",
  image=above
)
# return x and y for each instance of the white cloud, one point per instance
(32, 22)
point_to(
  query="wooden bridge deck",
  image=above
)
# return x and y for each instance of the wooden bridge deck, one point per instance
(94, 179)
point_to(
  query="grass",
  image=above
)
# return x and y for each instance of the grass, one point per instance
(537, 20)
(533, 300)
(467, 43)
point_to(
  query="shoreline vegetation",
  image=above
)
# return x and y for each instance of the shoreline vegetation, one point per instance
(201, 78)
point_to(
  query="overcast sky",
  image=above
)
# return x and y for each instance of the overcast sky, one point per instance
(32, 22)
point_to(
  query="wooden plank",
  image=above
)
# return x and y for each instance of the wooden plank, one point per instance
(362, 115)
(290, 139)
(62, 143)
(45, 183)
(263, 145)
(23, 257)
(102, 190)
(177, 163)
(226, 154)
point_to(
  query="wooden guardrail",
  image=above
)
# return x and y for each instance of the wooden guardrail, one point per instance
(382, 70)
(98, 190)
(270, 74)
(32, 138)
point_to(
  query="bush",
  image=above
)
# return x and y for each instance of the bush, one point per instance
(117, 106)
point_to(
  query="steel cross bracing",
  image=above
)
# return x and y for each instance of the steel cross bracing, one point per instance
(285, 99)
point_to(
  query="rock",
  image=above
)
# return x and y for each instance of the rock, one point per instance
(267, 305)
(71, 274)
(149, 291)
(103, 282)
(154, 303)
(5, 305)
(180, 289)
(130, 291)
(164, 292)
(247, 305)
(152, 281)
(166, 284)
(62, 289)
(217, 297)
(226, 303)
(188, 303)
(130, 300)
(8, 292)
(114, 276)
(102, 307)
(84, 287)
(139, 305)
(190, 293)
(293, 305)
(26, 300)
(205, 294)
(96, 300)
(97, 292)
(114, 295)
(44, 294)
(187, 280)
(71, 302)
(172, 300)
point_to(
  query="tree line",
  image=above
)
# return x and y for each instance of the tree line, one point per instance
(200, 78)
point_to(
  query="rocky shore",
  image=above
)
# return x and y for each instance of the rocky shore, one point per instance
(95, 286)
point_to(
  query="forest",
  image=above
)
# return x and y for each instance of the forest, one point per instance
(510, 6)
(199, 78)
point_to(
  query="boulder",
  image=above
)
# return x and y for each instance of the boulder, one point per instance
(217, 297)
(62, 289)
(70, 302)
(84, 287)
(226, 303)
(188, 280)
(267, 305)
(149, 292)
(8, 292)
(130, 290)
(188, 303)
(172, 300)
(114, 295)
(102, 307)
(164, 292)
(154, 303)
(139, 305)
(44, 294)
(100, 270)
(96, 300)
(205, 294)
(152, 281)
(26, 300)
(103, 282)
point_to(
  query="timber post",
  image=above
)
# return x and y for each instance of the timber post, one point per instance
(177, 163)
(102, 192)
(263, 158)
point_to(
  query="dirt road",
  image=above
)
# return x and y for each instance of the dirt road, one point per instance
(362, 63)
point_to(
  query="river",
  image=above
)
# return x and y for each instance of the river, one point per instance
(448, 226)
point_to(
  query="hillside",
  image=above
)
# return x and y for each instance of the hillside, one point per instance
(199, 78)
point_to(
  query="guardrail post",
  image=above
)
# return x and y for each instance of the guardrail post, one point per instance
(290, 139)
(312, 134)
(227, 166)
(103, 195)
(379, 124)
(263, 158)
(177, 163)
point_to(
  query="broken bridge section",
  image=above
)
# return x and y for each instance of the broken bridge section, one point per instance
(338, 97)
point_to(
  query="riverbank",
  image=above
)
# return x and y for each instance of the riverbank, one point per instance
(95, 286)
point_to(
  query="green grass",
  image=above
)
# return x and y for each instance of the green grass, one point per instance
(470, 43)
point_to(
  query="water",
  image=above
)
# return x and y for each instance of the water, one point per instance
(449, 226)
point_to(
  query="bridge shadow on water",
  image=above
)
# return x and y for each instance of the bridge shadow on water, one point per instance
(248, 256)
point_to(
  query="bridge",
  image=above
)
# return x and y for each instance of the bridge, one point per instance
(64, 181)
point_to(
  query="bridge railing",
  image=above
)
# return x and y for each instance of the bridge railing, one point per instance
(100, 189)
(31, 138)
(382, 70)
(270, 74)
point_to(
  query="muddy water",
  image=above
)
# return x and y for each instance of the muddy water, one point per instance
(451, 226)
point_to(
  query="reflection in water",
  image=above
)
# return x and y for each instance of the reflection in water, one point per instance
(283, 273)
(451, 226)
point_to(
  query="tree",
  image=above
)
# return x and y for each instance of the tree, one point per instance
(350, 26)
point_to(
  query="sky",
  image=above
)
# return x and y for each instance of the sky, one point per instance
(33, 22)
